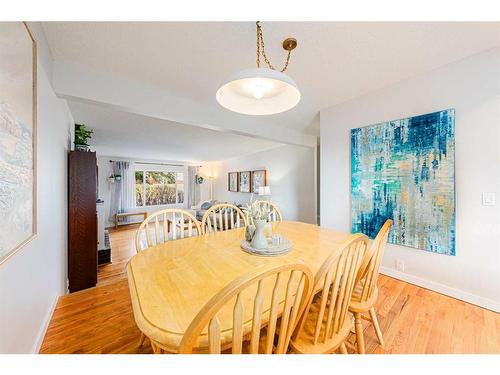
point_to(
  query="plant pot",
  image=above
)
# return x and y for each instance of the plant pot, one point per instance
(259, 240)
(82, 147)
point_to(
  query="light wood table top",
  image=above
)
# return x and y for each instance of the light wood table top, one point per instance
(170, 283)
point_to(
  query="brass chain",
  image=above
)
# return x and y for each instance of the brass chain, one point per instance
(261, 50)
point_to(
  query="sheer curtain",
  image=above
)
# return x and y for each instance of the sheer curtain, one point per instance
(193, 187)
(123, 190)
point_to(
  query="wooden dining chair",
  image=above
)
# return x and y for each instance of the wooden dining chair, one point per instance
(326, 323)
(274, 211)
(233, 319)
(366, 293)
(222, 217)
(165, 225)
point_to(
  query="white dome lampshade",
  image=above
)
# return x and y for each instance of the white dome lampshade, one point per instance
(258, 91)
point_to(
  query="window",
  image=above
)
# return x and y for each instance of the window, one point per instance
(158, 187)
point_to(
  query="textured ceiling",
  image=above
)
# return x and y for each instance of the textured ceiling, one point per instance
(334, 62)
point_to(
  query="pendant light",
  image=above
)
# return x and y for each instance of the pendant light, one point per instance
(261, 90)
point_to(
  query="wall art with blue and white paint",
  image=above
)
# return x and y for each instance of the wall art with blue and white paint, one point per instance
(404, 170)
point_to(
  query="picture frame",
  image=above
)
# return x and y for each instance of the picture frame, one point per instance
(245, 182)
(259, 178)
(18, 130)
(233, 182)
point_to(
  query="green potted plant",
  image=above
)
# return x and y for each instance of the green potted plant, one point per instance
(82, 135)
(199, 179)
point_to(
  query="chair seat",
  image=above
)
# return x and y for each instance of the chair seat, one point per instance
(356, 305)
(304, 343)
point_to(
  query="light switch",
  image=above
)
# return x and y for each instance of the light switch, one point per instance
(488, 199)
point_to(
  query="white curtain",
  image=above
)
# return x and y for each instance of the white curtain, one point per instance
(193, 187)
(123, 190)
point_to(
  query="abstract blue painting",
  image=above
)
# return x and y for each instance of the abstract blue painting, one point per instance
(404, 170)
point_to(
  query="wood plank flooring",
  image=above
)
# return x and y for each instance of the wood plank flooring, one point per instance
(412, 319)
(122, 249)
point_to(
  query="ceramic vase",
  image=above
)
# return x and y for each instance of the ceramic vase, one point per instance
(259, 240)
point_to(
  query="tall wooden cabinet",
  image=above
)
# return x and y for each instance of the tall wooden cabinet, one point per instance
(82, 220)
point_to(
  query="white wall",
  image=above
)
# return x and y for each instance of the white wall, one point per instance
(105, 170)
(33, 279)
(290, 175)
(472, 87)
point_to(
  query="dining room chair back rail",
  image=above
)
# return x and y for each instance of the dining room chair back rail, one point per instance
(370, 268)
(324, 320)
(222, 217)
(165, 225)
(293, 282)
(366, 293)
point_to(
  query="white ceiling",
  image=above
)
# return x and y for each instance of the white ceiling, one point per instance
(334, 62)
(119, 133)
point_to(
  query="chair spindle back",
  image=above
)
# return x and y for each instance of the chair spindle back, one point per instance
(370, 268)
(262, 293)
(336, 277)
(222, 217)
(159, 226)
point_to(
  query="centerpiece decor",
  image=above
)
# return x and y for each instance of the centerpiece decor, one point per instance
(259, 215)
(255, 241)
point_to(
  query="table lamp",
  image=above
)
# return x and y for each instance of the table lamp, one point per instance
(264, 191)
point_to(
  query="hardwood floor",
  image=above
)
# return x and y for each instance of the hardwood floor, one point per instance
(123, 248)
(412, 319)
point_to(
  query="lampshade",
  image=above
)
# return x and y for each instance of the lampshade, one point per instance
(258, 91)
(265, 190)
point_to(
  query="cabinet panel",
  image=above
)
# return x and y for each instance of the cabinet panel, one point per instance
(82, 242)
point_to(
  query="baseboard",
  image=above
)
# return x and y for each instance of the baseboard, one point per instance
(443, 289)
(44, 326)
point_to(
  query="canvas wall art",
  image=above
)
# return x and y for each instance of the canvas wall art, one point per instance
(17, 137)
(405, 170)
(245, 182)
(232, 181)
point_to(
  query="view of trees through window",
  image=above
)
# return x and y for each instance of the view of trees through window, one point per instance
(155, 188)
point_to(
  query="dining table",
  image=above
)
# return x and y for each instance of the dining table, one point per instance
(171, 282)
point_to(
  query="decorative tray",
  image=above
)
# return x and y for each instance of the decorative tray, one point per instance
(282, 248)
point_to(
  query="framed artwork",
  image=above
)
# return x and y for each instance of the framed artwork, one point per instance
(404, 170)
(232, 181)
(245, 182)
(259, 178)
(17, 137)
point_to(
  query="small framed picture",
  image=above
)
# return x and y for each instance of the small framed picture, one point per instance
(245, 182)
(259, 178)
(232, 181)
